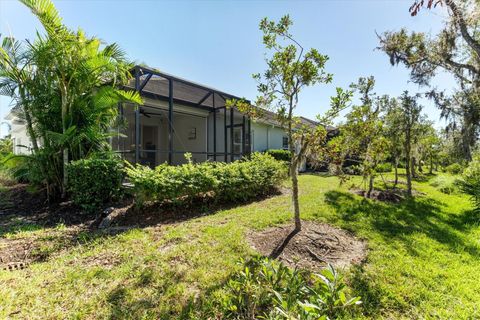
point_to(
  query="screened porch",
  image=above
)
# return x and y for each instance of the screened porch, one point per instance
(178, 117)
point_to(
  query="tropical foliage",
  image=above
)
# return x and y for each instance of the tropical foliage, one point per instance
(66, 89)
(269, 290)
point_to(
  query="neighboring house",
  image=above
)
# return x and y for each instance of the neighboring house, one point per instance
(180, 116)
(20, 140)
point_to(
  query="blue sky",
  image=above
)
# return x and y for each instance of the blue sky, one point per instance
(218, 43)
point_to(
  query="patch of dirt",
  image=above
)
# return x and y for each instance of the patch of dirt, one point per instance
(19, 201)
(312, 248)
(19, 253)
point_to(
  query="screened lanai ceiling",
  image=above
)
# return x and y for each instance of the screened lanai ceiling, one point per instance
(156, 84)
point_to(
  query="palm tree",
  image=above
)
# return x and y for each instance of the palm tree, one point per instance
(72, 91)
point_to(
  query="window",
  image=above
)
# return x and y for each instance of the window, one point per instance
(285, 143)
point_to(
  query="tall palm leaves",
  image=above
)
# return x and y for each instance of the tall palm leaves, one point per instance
(72, 90)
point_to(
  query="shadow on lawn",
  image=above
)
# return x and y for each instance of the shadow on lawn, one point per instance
(420, 215)
(171, 213)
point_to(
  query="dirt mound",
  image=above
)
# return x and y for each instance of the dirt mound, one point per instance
(312, 248)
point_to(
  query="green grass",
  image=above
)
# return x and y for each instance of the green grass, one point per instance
(423, 261)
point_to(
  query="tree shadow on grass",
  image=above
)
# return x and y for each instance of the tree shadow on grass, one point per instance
(175, 212)
(399, 221)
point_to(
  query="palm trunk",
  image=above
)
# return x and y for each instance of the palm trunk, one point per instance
(65, 148)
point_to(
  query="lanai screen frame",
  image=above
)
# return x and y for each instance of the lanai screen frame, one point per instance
(147, 73)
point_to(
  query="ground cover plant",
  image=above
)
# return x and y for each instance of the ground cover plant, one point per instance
(419, 253)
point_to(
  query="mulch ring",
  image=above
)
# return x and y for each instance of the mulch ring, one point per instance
(312, 248)
(390, 195)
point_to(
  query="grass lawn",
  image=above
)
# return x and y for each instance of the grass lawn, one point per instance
(423, 260)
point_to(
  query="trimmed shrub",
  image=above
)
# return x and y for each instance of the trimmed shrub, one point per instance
(167, 182)
(454, 168)
(243, 180)
(93, 182)
(280, 154)
(384, 167)
(237, 181)
(470, 181)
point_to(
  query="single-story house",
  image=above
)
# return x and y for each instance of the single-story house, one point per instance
(180, 116)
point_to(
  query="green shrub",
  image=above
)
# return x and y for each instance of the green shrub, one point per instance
(269, 290)
(280, 154)
(454, 168)
(167, 182)
(444, 184)
(470, 181)
(93, 182)
(355, 170)
(384, 167)
(237, 181)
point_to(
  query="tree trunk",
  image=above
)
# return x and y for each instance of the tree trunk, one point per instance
(293, 168)
(370, 186)
(412, 166)
(396, 173)
(296, 204)
(65, 149)
(431, 164)
(408, 162)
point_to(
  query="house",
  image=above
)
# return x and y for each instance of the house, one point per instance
(180, 116)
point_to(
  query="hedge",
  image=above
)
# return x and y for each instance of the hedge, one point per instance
(237, 181)
(280, 154)
(93, 182)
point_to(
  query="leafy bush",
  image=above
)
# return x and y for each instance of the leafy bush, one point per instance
(243, 180)
(444, 184)
(94, 181)
(470, 181)
(167, 182)
(384, 167)
(235, 181)
(355, 169)
(454, 168)
(280, 154)
(265, 289)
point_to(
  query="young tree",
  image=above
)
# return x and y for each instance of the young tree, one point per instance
(411, 116)
(363, 131)
(290, 68)
(393, 132)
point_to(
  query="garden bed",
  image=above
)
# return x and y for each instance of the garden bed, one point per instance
(20, 201)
